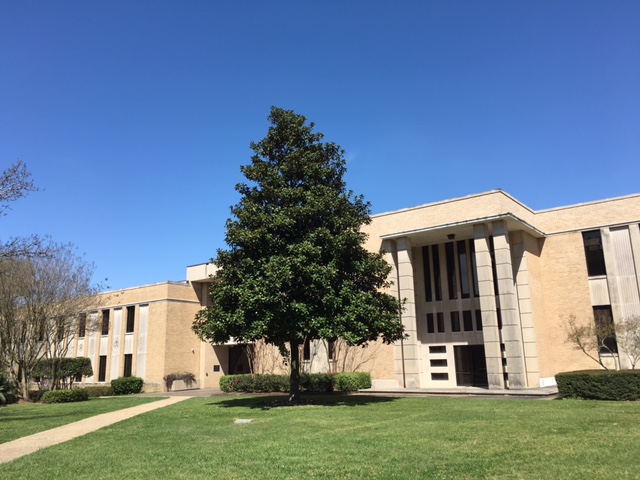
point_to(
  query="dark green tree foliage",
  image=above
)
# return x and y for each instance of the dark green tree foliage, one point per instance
(296, 267)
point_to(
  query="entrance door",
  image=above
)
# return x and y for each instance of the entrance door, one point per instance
(238, 361)
(471, 366)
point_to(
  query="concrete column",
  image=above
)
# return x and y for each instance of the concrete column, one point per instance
(490, 332)
(511, 327)
(409, 349)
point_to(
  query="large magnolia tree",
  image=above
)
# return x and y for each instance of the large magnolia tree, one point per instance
(295, 267)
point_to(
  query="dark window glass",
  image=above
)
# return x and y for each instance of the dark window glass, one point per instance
(451, 271)
(438, 362)
(427, 274)
(474, 269)
(128, 362)
(464, 268)
(131, 318)
(438, 349)
(605, 332)
(593, 252)
(455, 322)
(467, 321)
(479, 320)
(499, 315)
(439, 376)
(331, 351)
(496, 291)
(102, 370)
(437, 277)
(306, 351)
(82, 324)
(430, 323)
(440, 321)
(105, 322)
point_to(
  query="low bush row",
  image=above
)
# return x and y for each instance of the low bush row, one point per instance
(600, 384)
(309, 382)
(65, 396)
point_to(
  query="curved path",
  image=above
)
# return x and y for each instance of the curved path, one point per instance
(24, 446)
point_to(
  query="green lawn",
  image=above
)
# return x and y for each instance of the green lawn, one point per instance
(366, 437)
(28, 418)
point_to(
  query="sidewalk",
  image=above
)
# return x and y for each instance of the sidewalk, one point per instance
(24, 446)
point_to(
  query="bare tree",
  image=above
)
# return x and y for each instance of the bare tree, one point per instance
(592, 338)
(628, 338)
(41, 299)
(15, 183)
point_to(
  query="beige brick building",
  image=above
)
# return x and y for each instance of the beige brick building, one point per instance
(487, 283)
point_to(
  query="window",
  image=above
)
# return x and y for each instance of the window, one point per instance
(331, 350)
(437, 278)
(464, 269)
(499, 315)
(430, 323)
(474, 269)
(82, 325)
(128, 362)
(455, 322)
(467, 321)
(439, 376)
(427, 274)
(438, 362)
(306, 355)
(105, 322)
(131, 318)
(494, 271)
(603, 318)
(451, 271)
(440, 320)
(102, 370)
(479, 320)
(594, 253)
(438, 349)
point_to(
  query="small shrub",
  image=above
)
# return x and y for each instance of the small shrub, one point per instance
(99, 391)
(36, 395)
(65, 396)
(600, 384)
(316, 382)
(352, 381)
(127, 385)
(187, 377)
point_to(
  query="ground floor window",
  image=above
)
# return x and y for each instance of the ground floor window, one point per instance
(102, 370)
(128, 362)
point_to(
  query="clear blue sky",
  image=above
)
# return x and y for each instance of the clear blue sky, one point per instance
(135, 116)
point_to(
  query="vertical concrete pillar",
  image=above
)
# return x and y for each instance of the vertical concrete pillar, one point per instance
(409, 350)
(511, 328)
(490, 331)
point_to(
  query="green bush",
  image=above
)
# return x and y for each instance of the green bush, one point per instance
(316, 382)
(127, 385)
(8, 390)
(351, 381)
(600, 384)
(66, 370)
(36, 395)
(65, 396)
(187, 377)
(99, 391)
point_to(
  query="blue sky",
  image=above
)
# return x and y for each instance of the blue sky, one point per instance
(135, 116)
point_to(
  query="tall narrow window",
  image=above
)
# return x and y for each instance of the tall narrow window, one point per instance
(306, 355)
(451, 271)
(605, 332)
(479, 320)
(331, 349)
(494, 271)
(105, 322)
(594, 253)
(499, 315)
(455, 322)
(131, 318)
(128, 362)
(427, 274)
(82, 324)
(437, 278)
(464, 268)
(430, 323)
(474, 269)
(467, 321)
(440, 320)
(102, 370)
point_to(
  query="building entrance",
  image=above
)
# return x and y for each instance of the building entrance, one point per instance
(238, 360)
(471, 366)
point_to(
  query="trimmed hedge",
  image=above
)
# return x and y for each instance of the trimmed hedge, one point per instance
(127, 385)
(600, 384)
(309, 382)
(65, 396)
(99, 391)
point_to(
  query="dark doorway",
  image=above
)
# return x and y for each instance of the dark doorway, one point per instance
(471, 366)
(238, 360)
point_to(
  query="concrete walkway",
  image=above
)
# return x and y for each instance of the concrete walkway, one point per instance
(24, 446)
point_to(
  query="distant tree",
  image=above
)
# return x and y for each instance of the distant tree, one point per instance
(41, 302)
(296, 267)
(628, 338)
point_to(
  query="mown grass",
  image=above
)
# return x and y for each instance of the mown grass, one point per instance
(356, 437)
(25, 419)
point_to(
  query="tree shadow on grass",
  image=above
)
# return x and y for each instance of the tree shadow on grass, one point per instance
(269, 401)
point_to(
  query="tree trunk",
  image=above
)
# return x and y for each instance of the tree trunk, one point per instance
(294, 395)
